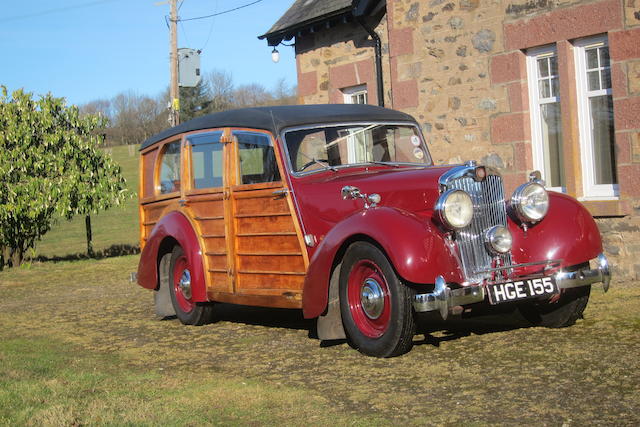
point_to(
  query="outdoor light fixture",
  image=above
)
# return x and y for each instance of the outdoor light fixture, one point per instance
(275, 55)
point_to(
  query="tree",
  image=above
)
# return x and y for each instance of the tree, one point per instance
(51, 165)
(194, 101)
(284, 94)
(220, 89)
(252, 95)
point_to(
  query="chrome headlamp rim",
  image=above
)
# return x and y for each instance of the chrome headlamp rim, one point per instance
(441, 205)
(493, 235)
(518, 199)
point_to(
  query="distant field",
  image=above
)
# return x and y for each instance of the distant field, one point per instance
(117, 226)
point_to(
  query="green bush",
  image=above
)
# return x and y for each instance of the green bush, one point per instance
(51, 165)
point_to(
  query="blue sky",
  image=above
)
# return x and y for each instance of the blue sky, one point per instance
(93, 49)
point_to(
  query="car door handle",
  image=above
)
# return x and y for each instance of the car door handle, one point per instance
(279, 194)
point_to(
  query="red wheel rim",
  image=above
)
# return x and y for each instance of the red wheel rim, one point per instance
(369, 299)
(182, 275)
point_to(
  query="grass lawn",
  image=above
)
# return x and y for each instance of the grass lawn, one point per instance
(64, 362)
(79, 344)
(112, 229)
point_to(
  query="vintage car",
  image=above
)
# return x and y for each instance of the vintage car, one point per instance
(338, 210)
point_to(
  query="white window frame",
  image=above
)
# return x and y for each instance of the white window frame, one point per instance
(353, 94)
(535, 101)
(592, 191)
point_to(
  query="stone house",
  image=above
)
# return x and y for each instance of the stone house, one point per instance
(552, 85)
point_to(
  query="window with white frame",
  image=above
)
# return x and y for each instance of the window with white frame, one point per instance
(357, 143)
(595, 114)
(546, 125)
(355, 94)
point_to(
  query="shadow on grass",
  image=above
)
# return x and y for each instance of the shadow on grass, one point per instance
(111, 251)
(262, 316)
(434, 329)
(437, 331)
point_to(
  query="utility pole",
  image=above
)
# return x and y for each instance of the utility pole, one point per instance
(174, 111)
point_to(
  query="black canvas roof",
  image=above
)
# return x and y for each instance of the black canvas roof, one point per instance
(276, 118)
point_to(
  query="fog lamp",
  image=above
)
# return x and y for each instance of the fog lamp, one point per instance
(499, 239)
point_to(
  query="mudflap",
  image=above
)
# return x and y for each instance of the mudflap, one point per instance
(162, 296)
(330, 324)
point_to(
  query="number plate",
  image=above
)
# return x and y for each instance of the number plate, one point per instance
(522, 289)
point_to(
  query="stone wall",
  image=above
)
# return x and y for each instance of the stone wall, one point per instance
(330, 61)
(459, 67)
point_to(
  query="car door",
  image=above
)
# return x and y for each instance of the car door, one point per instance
(207, 202)
(269, 259)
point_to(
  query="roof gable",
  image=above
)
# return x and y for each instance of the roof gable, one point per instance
(303, 13)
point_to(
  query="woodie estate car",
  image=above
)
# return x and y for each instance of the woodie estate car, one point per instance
(339, 211)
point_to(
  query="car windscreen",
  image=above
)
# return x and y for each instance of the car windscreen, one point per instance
(330, 147)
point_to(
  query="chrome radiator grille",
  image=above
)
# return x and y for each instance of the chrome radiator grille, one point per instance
(489, 210)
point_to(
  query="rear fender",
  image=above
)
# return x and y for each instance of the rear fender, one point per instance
(416, 249)
(173, 227)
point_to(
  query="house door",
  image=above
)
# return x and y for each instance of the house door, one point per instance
(268, 255)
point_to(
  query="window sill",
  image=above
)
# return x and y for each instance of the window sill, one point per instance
(606, 207)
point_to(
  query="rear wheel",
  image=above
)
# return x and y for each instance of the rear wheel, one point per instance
(561, 311)
(376, 307)
(188, 311)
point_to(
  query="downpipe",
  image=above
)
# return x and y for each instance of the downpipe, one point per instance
(378, 55)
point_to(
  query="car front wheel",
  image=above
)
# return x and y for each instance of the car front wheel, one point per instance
(375, 306)
(558, 312)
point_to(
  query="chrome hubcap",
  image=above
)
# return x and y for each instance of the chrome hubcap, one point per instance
(372, 298)
(185, 284)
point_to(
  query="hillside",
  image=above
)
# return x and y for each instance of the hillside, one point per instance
(115, 230)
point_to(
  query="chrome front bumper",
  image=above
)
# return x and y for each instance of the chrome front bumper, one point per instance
(443, 298)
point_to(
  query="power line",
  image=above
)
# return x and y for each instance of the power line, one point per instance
(57, 10)
(213, 21)
(220, 13)
(185, 33)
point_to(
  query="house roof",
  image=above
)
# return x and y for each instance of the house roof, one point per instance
(303, 14)
(277, 118)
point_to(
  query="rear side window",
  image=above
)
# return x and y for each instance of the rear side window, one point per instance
(206, 160)
(257, 158)
(170, 168)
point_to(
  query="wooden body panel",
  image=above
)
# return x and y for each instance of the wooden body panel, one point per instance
(268, 255)
(249, 236)
(207, 212)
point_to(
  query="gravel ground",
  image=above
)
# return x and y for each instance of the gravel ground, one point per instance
(485, 370)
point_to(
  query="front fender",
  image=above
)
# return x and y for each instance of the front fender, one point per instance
(568, 233)
(417, 251)
(176, 226)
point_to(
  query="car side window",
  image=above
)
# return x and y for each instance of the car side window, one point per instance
(256, 158)
(206, 160)
(170, 168)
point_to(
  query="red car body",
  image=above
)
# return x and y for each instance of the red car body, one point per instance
(375, 202)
